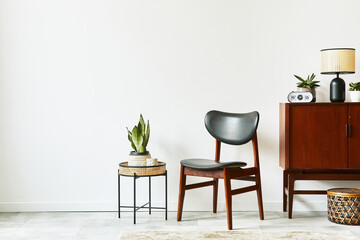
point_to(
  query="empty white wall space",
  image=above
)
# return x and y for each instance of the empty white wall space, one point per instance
(75, 73)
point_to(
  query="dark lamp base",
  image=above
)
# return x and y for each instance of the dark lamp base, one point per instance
(337, 90)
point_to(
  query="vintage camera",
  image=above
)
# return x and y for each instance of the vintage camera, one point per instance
(300, 97)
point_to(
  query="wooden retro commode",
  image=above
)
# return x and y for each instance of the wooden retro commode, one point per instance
(318, 141)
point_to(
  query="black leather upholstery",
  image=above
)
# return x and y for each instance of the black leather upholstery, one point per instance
(232, 128)
(209, 164)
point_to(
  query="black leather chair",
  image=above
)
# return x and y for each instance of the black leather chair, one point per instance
(229, 128)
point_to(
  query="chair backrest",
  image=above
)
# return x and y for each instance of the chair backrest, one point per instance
(232, 128)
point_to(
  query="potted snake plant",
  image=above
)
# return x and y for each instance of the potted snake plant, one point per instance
(139, 138)
(355, 91)
(308, 85)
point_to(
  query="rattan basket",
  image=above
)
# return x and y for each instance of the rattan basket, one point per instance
(344, 205)
(125, 169)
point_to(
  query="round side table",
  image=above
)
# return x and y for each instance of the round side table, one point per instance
(138, 172)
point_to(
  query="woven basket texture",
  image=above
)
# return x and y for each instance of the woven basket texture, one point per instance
(344, 210)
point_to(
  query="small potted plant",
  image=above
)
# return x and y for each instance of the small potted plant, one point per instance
(139, 138)
(308, 85)
(355, 91)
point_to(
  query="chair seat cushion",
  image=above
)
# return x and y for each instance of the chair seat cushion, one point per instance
(210, 164)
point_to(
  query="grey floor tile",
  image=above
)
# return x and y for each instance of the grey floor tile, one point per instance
(99, 233)
(52, 233)
(7, 232)
(69, 219)
(356, 233)
(107, 225)
(13, 219)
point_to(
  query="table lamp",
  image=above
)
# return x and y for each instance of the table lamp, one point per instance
(337, 61)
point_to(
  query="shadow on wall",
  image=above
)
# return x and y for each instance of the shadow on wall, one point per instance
(169, 152)
(267, 145)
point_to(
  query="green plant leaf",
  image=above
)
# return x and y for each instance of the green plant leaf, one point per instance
(308, 83)
(312, 76)
(302, 80)
(130, 139)
(137, 138)
(141, 125)
(132, 143)
(147, 135)
(133, 146)
(128, 131)
(354, 86)
(142, 149)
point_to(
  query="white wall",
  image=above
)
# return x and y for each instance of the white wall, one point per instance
(75, 73)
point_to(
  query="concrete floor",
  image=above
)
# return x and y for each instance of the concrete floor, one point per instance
(106, 225)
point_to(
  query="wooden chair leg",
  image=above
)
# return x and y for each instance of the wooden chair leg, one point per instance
(285, 185)
(228, 197)
(291, 194)
(215, 194)
(259, 196)
(181, 193)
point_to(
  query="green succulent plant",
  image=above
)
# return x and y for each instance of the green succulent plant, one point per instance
(307, 83)
(354, 86)
(139, 136)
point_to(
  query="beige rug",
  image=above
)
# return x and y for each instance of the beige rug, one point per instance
(238, 235)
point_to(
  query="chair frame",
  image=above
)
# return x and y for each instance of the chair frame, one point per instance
(246, 174)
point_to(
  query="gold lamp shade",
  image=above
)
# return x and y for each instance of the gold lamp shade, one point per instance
(338, 61)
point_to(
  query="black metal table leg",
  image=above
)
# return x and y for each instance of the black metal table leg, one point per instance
(165, 194)
(134, 198)
(149, 194)
(119, 209)
(134, 207)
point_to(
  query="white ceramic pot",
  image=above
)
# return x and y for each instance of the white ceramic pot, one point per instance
(312, 90)
(355, 96)
(138, 159)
